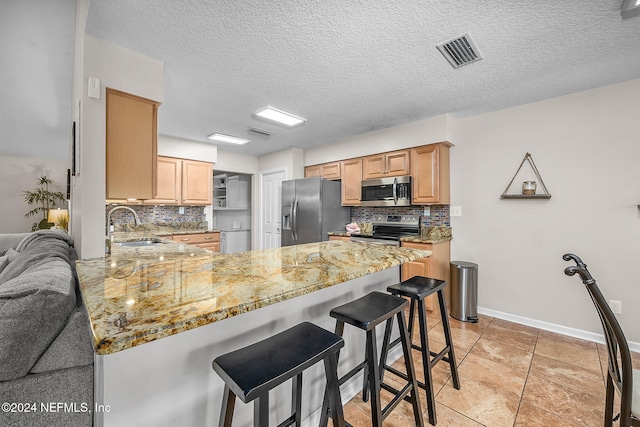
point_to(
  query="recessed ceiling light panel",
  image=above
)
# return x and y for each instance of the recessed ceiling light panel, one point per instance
(227, 138)
(280, 116)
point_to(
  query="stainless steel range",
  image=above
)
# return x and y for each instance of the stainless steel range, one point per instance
(388, 229)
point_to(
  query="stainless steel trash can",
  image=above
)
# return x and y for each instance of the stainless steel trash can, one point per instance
(464, 291)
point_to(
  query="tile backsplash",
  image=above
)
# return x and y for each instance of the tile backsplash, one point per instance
(439, 214)
(155, 214)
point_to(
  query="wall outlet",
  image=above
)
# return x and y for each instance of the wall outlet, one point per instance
(616, 306)
(181, 210)
(455, 210)
(427, 211)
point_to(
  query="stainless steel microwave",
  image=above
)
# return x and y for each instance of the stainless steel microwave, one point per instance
(392, 191)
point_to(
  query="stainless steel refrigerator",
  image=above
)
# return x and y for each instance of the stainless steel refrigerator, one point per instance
(311, 208)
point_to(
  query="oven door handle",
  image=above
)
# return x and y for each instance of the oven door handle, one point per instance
(395, 191)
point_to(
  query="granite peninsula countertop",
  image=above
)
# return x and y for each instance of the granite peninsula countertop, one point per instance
(427, 234)
(141, 294)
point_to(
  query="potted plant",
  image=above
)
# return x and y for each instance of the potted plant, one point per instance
(44, 200)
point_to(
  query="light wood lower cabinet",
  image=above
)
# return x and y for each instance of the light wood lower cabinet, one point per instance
(342, 238)
(210, 241)
(436, 266)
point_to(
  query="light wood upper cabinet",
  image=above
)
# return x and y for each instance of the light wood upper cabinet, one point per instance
(436, 266)
(395, 163)
(430, 174)
(168, 182)
(197, 182)
(351, 172)
(182, 182)
(325, 170)
(131, 148)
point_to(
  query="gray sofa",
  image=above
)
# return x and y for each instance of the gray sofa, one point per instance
(46, 355)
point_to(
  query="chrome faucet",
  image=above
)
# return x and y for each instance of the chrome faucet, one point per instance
(136, 219)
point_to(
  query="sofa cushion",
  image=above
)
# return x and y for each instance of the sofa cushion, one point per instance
(36, 251)
(72, 347)
(11, 240)
(34, 307)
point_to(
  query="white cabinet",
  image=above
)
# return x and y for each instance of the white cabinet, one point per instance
(230, 192)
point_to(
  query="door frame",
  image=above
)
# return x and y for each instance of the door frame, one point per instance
(261, 202)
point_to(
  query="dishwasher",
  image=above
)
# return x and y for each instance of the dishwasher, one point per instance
(232, 241)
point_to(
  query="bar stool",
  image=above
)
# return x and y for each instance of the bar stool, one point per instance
(251, 372)
(418, 288)
(366, 313)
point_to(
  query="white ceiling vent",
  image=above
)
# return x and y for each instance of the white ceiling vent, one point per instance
(261, 131)
(460, 51)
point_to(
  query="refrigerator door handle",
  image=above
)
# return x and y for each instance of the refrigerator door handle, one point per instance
(395, 191)
(294, 219)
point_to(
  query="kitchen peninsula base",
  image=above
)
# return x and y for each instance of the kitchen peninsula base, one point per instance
(170, 382)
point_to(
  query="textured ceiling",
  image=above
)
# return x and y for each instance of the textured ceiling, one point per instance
(355, 66)
(347, 66)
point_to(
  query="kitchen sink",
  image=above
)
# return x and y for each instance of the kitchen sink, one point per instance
(142, 242)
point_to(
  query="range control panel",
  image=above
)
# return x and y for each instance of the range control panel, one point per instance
(396, 219)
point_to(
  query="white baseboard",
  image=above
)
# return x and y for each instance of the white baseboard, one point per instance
(552, 327)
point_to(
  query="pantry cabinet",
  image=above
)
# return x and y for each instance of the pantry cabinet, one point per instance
(210, 241)
(395, 163)
(430, 174)
(131, 146)
(231, 192)
(182, 182)
(325, 170)
(436, 266)
(351, 172)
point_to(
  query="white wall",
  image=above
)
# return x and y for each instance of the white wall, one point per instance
(20, 173)
(291, 160)
(186, 149)
(121, 69)
(421, 132)
(586, 147)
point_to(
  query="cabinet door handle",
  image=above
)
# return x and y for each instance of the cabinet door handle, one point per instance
(185, 240)
(208, 238)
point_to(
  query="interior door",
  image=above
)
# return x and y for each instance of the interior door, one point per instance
(271, 209)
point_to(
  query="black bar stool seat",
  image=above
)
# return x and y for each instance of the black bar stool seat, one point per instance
(251, 372)
(366, 313)
(417, 289)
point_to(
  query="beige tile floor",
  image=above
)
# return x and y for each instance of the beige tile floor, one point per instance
(510, 375)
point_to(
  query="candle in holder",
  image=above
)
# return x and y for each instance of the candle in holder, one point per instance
(529, 187)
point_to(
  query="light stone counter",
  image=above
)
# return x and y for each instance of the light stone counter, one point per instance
(141, 294)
